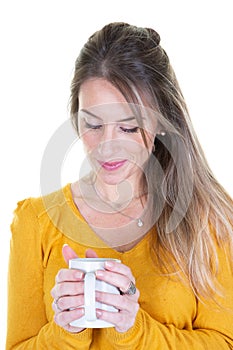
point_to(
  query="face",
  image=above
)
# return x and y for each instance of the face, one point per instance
(111, 134)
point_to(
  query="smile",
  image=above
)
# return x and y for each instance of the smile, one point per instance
(110, 166)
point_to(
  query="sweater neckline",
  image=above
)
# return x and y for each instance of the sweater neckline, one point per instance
(91, 238)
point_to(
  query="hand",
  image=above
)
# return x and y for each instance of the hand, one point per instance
(120, 276)
(68, 292)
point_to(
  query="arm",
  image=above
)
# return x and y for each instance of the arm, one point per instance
(28, 327)
(212, 327)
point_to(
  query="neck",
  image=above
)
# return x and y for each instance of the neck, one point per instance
(118, 193)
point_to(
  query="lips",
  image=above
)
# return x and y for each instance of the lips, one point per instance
(110, 166)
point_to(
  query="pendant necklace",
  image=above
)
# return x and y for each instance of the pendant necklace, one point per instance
(139, 221)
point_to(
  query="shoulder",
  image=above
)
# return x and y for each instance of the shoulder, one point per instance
(40, 220)
(34, 208)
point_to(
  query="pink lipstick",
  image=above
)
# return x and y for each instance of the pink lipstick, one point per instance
(112, 165)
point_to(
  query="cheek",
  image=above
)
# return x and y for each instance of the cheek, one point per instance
(90, 141)
(126, 144)
(138, 151)
(150, 140)
(140, 145)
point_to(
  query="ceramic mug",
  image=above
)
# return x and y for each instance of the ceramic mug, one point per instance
(89, 266)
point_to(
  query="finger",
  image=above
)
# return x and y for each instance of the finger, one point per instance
(67, 289)
(91, 254)
(68, 253)
(122, 320)
(72, 329)
(120, 268)
(120, 302)
(67, 303)
(69, 275)
(120, 281)
(63, 319)
(55, 307)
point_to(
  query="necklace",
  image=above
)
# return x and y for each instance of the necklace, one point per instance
(139, 221)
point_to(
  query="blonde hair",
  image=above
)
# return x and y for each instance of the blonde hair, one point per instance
(196, 214)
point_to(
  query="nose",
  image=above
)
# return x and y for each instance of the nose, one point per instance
(109, 143)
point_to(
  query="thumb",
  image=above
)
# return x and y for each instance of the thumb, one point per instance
(90, 253)
(68, 253)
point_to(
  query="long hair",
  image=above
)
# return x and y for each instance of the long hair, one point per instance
(197, 213)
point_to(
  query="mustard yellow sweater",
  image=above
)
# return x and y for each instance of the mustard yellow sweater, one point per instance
(170, 317)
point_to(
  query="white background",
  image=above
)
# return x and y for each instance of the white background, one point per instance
(39, 44)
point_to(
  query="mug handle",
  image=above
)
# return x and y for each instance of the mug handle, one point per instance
(89, 296)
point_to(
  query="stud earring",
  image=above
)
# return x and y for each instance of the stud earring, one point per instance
(162, 133)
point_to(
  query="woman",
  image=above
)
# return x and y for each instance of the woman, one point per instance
(149, 200)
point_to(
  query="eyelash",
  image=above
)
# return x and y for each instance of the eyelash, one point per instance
(98, 127)
(131, 130)
(93, 127)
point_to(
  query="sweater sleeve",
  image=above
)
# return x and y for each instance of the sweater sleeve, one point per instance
(212, 326)
(28, 327)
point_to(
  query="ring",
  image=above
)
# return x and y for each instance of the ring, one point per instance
(55, 302)
(131, 290)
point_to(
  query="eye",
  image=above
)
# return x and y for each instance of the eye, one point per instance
(130, 130)
(92, 126)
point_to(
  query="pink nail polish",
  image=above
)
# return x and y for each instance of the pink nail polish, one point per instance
(99, 273)
(79, 275)
(98, 313)
(109, 264)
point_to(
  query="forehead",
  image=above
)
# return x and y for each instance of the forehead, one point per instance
(94, 92)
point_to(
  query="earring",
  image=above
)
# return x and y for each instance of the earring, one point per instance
(162, 133)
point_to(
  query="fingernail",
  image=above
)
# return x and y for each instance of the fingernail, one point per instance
(64, 245)
(109, 264)
(79, 275)
(99, 273)
(98, 313)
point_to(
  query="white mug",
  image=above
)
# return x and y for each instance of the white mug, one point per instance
(89, 266)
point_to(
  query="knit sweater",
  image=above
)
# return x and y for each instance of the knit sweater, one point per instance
(169, 317)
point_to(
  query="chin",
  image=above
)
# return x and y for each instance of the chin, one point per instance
(111, 179)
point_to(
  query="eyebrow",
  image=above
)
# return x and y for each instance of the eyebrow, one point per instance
(96, 116)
